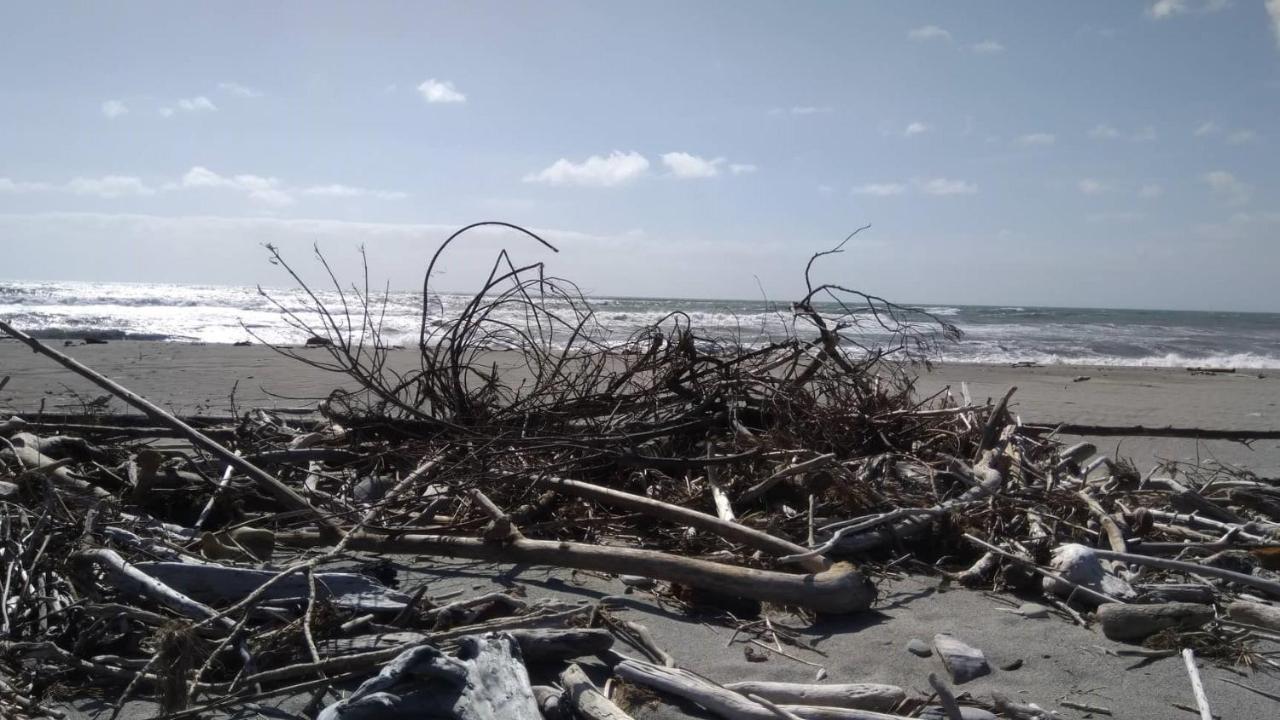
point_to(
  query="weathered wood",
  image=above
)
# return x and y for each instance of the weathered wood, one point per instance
(841, 589)
(724, 702)
(1267, 616)
(587, 700)
(860, 696)
(683, 516)
(1134, 623)
(223, 585)
(279, 490)
(486, 680)
(131, 579)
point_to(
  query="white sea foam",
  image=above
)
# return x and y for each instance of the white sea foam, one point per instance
(218, 314)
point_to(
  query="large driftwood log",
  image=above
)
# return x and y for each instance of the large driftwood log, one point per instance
(684, 516)
(727, 703)
(282, 492)
(841, 589)
(1252, 613)
(486, 680)
(130, 579)
(35, 461)
(223, 585)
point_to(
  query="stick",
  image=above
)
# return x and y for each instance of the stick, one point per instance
(684, 516)
(282, 492)
(838, 590)
(1271, 587)
(1202, 702)
(587, 699)
(946, 698)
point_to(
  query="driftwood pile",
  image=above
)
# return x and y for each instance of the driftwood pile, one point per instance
(211, 562)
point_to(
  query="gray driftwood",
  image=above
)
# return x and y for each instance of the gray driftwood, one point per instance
(842, 589)
(587, 700)
(485, 680)
(1133, 623)
(223, 585)
(861, 696)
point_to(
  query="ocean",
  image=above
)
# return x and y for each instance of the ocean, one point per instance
(997, 335)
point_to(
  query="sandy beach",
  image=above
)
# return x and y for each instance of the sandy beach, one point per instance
(196, 379)
(1053, 660)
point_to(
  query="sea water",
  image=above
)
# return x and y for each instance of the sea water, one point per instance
(222, 314)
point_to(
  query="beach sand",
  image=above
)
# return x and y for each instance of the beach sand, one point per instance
(195, 379)
(1060, 661)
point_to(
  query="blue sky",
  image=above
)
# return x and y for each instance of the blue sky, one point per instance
(1086, 153)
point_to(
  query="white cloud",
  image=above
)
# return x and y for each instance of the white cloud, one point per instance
(1089, 186)
(1207, 128)
(1167, 8)
(915, 128)
(880, 189)
(196, 104)
(348, 191)
(987, 47)
(595, 171)
(1104, 132)
(440, 91)
(943, 186)
(199, 103)
(1150, 191)
(11, 186)
(1273, 9)
(244, 91)
(114, 109)
(1163, 9)
(1228, 187)
(742, 168)
(1240, 137)
(266, 190)
(1146, 134)
(1038, 138)
(684, 165)
(929, 32)
(109, 186)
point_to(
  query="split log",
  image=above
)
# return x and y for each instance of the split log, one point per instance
(282, 492)
(841, 589)
(859, 696)
(587, 700)
(486, 680)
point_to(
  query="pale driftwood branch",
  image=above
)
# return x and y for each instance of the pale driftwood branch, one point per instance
(1271, 587)
(727, 703)
(282, 492)
(684, 516)
(130, 579)
(859, 696)
(1197, 687)
(840, 589)
(587, 699)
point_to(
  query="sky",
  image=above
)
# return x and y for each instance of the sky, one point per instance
(1097, 153)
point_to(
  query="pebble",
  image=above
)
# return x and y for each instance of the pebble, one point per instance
(963, 662)
(637, 581)
(1033, 610)
(1011, 666)
(919, 647)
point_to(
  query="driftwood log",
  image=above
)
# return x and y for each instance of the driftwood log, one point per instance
(842, 589)
(486, 680)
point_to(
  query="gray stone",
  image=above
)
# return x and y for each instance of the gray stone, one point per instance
(1033, 610)
(919, 647)
(963, 662)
